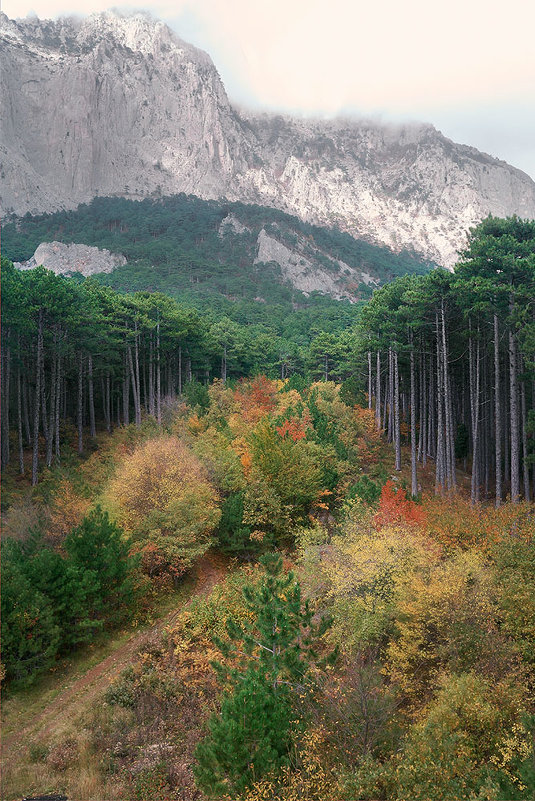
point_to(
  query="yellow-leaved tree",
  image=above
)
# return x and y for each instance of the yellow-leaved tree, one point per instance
(162, 496)
(363, 574)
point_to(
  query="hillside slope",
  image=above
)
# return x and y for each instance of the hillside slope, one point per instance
(184, 244)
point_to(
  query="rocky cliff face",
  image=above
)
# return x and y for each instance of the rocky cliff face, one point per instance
(68, 259)
(114, 105)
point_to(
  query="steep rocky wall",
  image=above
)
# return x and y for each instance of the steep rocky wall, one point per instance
(115, 105)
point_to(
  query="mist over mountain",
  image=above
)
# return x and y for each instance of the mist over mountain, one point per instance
(114, 105)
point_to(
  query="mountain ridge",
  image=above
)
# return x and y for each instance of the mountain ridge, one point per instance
(118, 105)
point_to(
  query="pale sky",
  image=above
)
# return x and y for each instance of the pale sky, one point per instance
(466, 66)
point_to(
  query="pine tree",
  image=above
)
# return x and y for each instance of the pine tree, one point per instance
(272, 652)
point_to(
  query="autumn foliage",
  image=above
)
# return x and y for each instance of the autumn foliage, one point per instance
(256, 397)
(396, 509)
(161, 495)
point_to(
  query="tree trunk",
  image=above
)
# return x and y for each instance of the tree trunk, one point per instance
(52, 408)
(108, 402)
(126, 391)
(138, 383)
(224, 364)
(6, 369)
(385, 403)
(19, 414)
(513, 411)
(525, 461)
(474, 359)
(369, 379)
(449, 440)
(397, 435)
(390, 396)
(137, 408)
(57, 409)
(378, 394)
(25, 411)
(431, 411)
(80, 408)
(414, 477)
(92, 426)
(158, 377)
(152, 406)
(180, 370)
(497, 414)
(440, 463)
(37, 403)
(144, 374)
(43, 403)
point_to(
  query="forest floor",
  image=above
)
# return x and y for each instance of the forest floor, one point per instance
(39, 715)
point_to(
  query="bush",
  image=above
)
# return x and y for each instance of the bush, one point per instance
(162, 496)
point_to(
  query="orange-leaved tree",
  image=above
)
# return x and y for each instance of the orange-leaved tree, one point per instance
(396, 509)
(256, 397)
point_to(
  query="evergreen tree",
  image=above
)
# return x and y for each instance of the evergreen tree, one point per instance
(233, 536)
(271, 653)
(97, 545)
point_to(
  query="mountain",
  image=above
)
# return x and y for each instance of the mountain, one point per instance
(119, 106)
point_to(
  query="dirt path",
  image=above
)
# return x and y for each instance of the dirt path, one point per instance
(89, 687)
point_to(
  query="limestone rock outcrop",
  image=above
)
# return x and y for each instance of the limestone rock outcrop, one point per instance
(67, 259)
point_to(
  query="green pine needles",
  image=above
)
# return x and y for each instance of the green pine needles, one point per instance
(271, 654)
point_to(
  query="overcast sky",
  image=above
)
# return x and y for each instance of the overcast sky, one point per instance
(467, 66)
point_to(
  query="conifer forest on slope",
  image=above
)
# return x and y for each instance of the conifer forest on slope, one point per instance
(367, 483)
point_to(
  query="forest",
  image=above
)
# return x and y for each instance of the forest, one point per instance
(340, 521)
(175, 246)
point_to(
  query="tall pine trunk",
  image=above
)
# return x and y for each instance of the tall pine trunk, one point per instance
(474, 361)
(525, 455)
(92, 426)
(513, 411)
(378, 393)
(126, 390)
(26, 410)
(158, 376)
(19, 412)
(152, 405)
(369, 380)
(6, 379)
(137, 406)
(440, 464)
(57, 410)
(397, 433)
(448, 412)
(37, 402)
(80, 402)
(497, 414)
(52, 406)
(414, 477)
